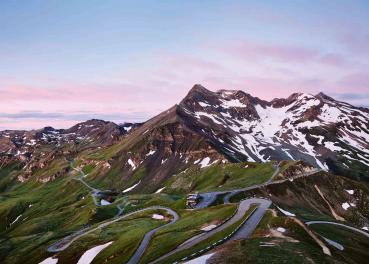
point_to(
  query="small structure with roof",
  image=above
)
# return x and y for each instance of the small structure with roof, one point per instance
(192, 200)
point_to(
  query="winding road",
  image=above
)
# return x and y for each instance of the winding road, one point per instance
(208, 198)
(67, 241)
(145, 241)
(95, 192)
(246, 229)
(339, 224)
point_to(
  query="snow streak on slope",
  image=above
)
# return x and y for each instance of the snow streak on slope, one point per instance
(302, 126)
(90, 254)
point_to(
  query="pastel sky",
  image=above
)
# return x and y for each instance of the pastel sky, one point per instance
(62, 62)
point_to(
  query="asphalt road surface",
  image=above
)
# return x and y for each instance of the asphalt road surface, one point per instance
(208, 198)
(145, 241)
(338, 224)
(247, 228)
(67, 241)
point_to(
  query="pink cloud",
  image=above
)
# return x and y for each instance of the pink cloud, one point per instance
(333, 60)
(35, 124)
(359, 80)
(263, 70)
(357, 42)
(283, 53)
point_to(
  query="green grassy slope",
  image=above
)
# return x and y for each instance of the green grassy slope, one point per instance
(219, 177)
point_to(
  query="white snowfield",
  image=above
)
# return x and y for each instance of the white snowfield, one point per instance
(204, 162)
(345, 206)
(132, 187)
(350, 191)
(90, 254)
(130, 162)
(16, 219)
(50, 260)
(232, 103)
(279, 125)
(104, 202)
(160, 190)
(151, 152)
(157, 217)
(281, 229)
(199, 260)
(208, 228)
(286, 212)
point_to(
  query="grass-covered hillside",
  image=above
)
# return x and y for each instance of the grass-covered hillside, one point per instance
(219, 177)
(35, 214)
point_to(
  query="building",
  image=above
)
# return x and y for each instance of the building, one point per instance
(192, 200)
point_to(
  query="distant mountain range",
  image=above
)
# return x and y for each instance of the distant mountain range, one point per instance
(208, 127)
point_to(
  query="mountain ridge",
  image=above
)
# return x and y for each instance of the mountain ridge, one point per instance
(228, 125)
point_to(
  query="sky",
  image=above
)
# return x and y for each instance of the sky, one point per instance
(63, 62)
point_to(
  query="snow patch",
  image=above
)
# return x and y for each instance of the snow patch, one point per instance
(288, 154)
(281, 229)
(131, 188)
(199, 260)
(130, 162)
(90, 254)
(160, 190)
(151, 152)
(286, 212)
(271, 119)
(16, 219)
(50, 260)
(332, 147)
(204, 162)
(345, 206)
(212, 117)
(208, 228)
(320, 139)
(203, 104)
(104, 202)
(157, 217)
(350, 191)
(232, 103)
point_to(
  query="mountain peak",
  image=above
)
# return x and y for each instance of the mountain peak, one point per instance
(199, 88)
(322, 95)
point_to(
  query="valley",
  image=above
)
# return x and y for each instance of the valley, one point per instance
(275, 181)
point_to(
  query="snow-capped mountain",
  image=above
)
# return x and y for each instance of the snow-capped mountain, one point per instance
(205, 128)
(316, 128)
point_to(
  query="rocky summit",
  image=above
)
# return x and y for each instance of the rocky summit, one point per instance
(326, 133)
